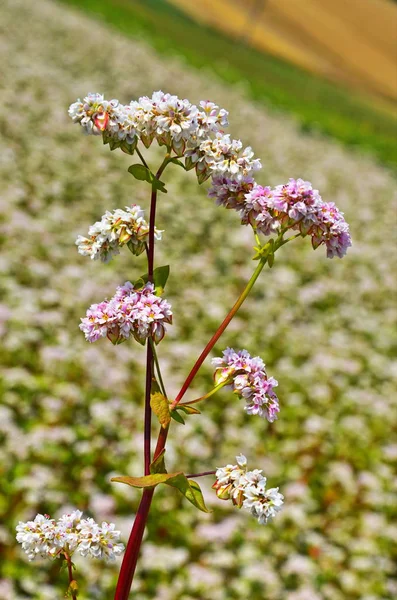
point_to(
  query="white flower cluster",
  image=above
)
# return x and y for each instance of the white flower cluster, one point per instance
(47, 538)
(195, 133)
(247, 489)
(115, 229)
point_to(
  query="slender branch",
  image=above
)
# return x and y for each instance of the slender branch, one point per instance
(220, 330)
(200, 474)
(156, 362)
(143, 161)
(210, 393)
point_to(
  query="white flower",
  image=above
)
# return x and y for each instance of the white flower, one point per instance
(47, 538)
(95, 114)
(248, 489)
(263, 504)
(115, 229)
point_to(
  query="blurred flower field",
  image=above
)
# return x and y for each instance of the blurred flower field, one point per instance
(71, 412)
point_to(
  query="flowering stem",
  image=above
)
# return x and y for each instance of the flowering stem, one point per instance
(220, 330)
(72, 582)
(149, 354)
(211, 393)
(156, 362)
(130, 559)
(200, 474)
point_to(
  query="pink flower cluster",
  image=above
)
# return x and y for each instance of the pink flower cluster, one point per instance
(248, 379)
(294, 205)
(131, 312)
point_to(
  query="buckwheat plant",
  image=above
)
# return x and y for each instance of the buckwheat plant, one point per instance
(193, 138)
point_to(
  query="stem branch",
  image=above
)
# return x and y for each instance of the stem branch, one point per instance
(200, 474)
(219, 331)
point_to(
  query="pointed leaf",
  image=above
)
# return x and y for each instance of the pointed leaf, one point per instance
(189, 410)
(177, 417)
(147, 481)
(158, 465)
(160, 276)
(160, 407)
(190, 489)
(159, 185)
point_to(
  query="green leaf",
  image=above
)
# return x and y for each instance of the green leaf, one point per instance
(189, 410)
(160, 407)
(160, 276)
(140, 172)
(147, 481)
(158, 465)
(190, 489)
(177, 417)
(159, 185)
(270, 260)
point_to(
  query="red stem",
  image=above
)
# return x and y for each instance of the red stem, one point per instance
(70, 573)
(200, 474)
(130, 559)
(134, 544)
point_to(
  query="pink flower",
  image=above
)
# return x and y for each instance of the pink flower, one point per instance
(248, 379)
(136, 312)
(294, 205)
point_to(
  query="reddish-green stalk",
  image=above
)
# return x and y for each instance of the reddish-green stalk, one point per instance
(72, 582)
(132, 551)
(134, 543)
(219, 331)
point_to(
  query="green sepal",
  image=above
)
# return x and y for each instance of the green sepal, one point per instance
(160, 276)
(177, 417)
(189, 410)
(129, 148)
(160, 407)
(190, 489)
(137, 248)
(114, 144)
(189, 164)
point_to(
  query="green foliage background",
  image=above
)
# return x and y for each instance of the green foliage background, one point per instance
(71, 413)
